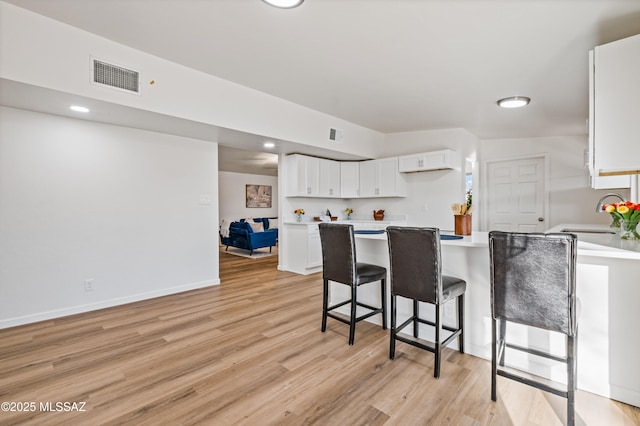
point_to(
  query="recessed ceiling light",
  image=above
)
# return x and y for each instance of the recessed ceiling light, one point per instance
(78, 108)
(514, 102)
(269, 144)
(284, 4)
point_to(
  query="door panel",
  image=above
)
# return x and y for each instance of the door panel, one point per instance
(516, 195)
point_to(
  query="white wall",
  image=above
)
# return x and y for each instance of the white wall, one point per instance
(429, 194)
(571, 199)
(232, 200)
(81, 200)
(178, 91)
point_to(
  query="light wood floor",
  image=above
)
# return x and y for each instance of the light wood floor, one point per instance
(251, 352)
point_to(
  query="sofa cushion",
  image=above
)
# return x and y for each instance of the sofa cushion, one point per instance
(257, 226)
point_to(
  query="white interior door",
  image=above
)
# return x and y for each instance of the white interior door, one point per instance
(516, 195)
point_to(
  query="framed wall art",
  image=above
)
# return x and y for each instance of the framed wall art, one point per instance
(258, 196)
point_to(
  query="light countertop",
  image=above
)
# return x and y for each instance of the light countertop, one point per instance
(476, 239)
(589, 244)
(601, 245)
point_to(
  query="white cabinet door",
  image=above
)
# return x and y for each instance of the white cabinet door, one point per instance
(599, 182)
(349, 179)
(410, 163)
(381, 178)
(329, 178)
(369, 179)
(616, 110)
(314, 247)
(427, 161)
(389, 179)
(306, 176)
(313, 176)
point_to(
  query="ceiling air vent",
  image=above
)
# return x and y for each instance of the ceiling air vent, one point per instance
(335, 135)
(115, 76)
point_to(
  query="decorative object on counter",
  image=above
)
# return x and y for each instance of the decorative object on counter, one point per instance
(601, 207)
(325, 218)
(628, 214)
(378, 215)
(462, 224)
(615, 222)
(462, 217)
(348, 211)
(299, 213)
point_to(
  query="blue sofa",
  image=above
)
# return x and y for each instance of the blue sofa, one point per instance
(242, 235)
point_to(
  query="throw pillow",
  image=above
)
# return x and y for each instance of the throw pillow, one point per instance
(257, 226)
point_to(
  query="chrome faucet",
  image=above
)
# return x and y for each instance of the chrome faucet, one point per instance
(600, 202)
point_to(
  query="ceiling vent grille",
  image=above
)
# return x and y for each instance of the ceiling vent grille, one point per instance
(336, 135)
(115, 76)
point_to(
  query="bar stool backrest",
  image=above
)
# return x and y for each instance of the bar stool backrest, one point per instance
(533, 279)
(338, 252)
(416, 269)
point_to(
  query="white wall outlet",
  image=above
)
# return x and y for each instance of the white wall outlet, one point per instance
(89, 284)
(205, 200)
(424, 207)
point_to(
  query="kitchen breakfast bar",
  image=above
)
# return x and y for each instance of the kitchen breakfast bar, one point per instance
(608, 290)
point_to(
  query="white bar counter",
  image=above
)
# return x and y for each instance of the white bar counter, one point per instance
(608, 289)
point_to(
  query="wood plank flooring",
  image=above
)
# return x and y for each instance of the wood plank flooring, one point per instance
(250, 352)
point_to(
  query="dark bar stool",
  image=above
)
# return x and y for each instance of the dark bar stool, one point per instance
(416, 273)
(339, 265)
(533, 282)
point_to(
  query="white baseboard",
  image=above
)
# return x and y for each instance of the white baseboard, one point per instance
(72, 310)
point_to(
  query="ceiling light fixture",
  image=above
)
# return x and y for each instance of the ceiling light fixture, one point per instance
(284, 4)
(78, 108)
(514, 102)
(269, 145)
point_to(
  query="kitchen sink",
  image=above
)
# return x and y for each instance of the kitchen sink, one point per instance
(588, 231)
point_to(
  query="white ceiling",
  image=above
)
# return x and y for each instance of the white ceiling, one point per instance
(389, 65)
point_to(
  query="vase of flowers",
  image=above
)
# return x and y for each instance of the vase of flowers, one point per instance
(299, 213)
(628, 215)
(348, 211)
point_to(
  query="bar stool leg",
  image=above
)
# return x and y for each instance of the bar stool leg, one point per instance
(354, 305)
(494, 360)
(383, 294)
(325, 304)
(438, 346)
(502, 339)
(461, 322)
(416, 315)
(392, 343)
(572, 347)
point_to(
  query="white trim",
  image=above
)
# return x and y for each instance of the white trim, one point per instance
(485, 187)
(72, 310)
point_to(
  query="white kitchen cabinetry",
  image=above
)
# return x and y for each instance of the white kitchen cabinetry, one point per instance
(303, 176)
(381, 178)
(330, 179)
(614, 110)
(314, 177)
(427, 161)
(304, 251)
(349, 179)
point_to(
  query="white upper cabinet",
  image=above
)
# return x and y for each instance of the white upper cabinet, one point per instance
(314, 177)
(381, 178)
(614, 115)
(329, 178)
(349, 179)
(426, 161)
(303, 176)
